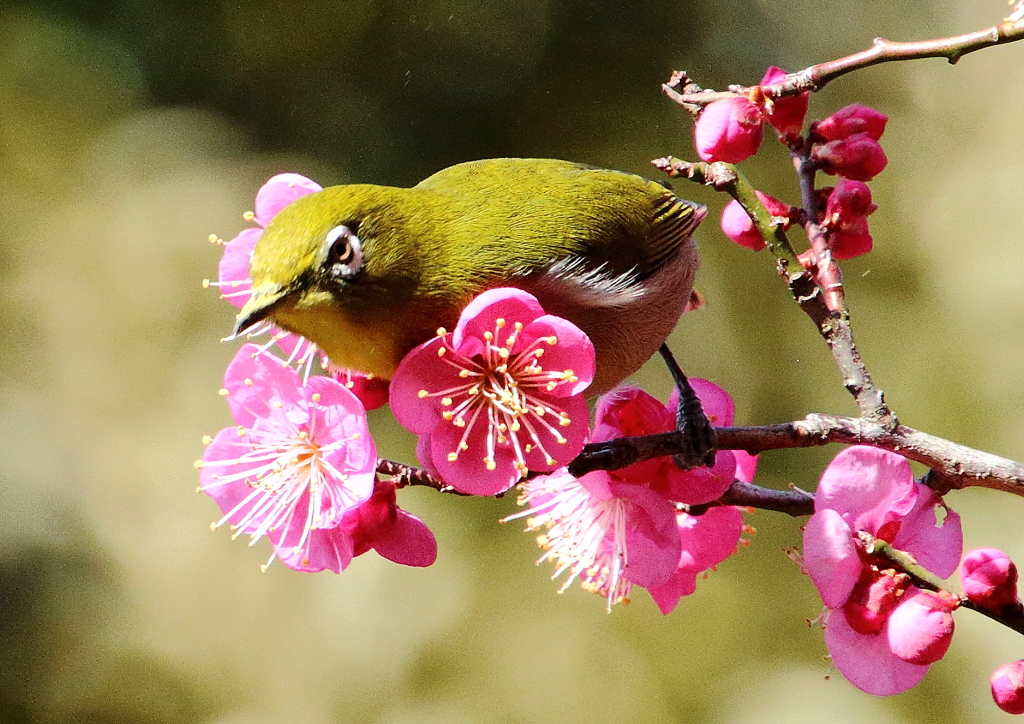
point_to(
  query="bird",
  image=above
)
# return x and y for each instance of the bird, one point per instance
(368, 272)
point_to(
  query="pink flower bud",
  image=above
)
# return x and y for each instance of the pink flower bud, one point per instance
(1008, 687)
(846, 219)
(921, 628)
(729, 130)
(852, 119)
(989, 578)
(739, 227)
(858, 156)
(786, 114)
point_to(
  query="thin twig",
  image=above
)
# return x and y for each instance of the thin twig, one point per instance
(818, 76)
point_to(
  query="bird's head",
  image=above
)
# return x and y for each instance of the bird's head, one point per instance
(324, 265)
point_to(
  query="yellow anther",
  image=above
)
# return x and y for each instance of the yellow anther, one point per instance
(207, 439)
(222, 392)
(249, 216)
(441, 331)
(422, 393)
(551, 340)
(441, 351)
(489, 336)
(316, 397)
(248, 382)
(206, 283)
(198, 464)
(463, 373)
(446, 401)
(489, 462)
(452, 457)
(448, 415)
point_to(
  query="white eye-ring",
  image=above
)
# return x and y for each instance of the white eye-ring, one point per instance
(344, 257)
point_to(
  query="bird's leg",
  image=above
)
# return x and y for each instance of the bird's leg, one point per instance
(696, 431)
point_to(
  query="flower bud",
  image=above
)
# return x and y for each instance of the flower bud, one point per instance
(786, 114)
(739, 227)
(859, 157)
(872, 600)
(846, 219)
(1008, 687)
(989, 579)
(852, 119)
(921, 628)
(729, 130)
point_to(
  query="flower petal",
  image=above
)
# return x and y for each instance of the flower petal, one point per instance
(652, 536)
(409, 542)
(279, 191)
(233, 271)
(481, 315)
(936, 545)
(866, 660)
(859, 478)
(830, 557)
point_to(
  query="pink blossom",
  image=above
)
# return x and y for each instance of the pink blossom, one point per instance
(872, 490)
(989, 579)
(921, 628)
(500, 396)
(729, 130)
(379, 524)
(609, 534)
(846, 219)
(852, 119)
(786, 114)
(300, 458)
(627, 411)
(739, 227)
(234, 281)
(1008, 687)
(858, 156)
(706, 540)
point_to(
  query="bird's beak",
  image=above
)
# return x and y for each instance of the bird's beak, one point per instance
(264, 300)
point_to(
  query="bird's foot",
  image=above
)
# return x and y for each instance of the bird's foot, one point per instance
(696, 431)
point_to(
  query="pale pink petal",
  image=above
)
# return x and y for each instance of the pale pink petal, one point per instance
(830, 557)
(255, 381)
(921, 628)
(233, 271)
(279, 191)
(409, 542)
(652, 536)
(859, 478)
(866, 660)
(328, 549)
(936, 546)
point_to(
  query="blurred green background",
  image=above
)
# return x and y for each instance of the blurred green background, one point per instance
(130, 130)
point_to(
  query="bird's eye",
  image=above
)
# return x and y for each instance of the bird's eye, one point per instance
(344, 257)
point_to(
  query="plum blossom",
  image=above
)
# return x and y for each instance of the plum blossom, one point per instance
(872, 490)
(627, 411)
(499, 396)
(609, 534)
(729, 130)
(859, 157)
(786, 114)
(300, 458)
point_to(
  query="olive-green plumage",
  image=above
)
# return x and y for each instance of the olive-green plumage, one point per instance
(608, 250)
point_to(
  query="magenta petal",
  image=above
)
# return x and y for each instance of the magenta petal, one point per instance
(468, 473)
(255, 381)
(481, 315)
(859, 478)
(409, 542)
(746, 466)
(652, 537)
(233, 271)
(629, 411)
(921, 628)
(717, 403)
(701, 485)
(830, 557)
(575, 435)
(573, 351)
(866, 660)
(279, 191)
(709, 539)
(936, 546)
(421, 369)
(227, 446)
(328, 549)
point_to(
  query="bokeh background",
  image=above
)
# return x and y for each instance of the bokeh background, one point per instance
(131, 130)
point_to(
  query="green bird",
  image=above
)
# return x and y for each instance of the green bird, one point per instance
(368, 272)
